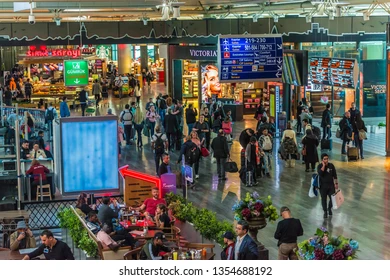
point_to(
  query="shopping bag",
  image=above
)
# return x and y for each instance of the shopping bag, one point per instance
(311, 192)
(315, 181)
(231, 166)
(337, 199)
(204, 152)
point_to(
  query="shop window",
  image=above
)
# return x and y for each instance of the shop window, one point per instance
(345, 50)
(373, 50)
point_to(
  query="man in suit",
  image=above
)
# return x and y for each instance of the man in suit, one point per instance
(245, 248)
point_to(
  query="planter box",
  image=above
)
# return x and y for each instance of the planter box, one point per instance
(378, 129)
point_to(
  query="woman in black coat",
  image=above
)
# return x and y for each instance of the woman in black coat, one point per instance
(360, 126)
(310, 141)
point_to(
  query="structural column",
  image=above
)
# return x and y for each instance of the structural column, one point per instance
(144, 57)
(124, 58)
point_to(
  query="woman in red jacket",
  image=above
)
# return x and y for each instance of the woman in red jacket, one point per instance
(37, 169)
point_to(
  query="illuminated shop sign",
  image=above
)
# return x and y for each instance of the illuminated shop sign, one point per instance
(378, 89)
(43, 51)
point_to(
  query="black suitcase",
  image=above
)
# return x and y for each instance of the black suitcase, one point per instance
(326, 144)
(352, 153)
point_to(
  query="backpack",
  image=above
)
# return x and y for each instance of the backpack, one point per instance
(163, 104)
(192, 154)
(159, 145)
(124, 113)
(50, 115)
(267, 143)
(316, 132)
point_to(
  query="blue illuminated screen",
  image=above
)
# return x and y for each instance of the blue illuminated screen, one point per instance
(89, 155)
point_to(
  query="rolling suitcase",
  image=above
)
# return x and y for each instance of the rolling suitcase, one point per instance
(352, 153)
(249, 177)
(326, 144)
(242, 157)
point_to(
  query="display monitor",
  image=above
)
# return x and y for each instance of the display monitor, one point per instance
(89, 154)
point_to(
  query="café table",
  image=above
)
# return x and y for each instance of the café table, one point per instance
(11, 255)
(138, 234)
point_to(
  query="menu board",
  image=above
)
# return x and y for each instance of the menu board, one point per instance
(339, 72)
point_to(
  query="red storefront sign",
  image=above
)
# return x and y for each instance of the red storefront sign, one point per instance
(43, 51)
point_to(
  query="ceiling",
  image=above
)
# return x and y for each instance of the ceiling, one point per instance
(135, 10)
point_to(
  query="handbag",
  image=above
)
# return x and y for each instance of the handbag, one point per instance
(231, 166)
(338, 133)
(362, 134)
(204, 152)
(337, 199)
(145, 131)
(304, 151)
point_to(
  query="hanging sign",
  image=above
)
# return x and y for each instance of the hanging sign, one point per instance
(76, 72)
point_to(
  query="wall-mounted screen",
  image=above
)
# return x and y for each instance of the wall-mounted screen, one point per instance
(339, 72)
(89, 154)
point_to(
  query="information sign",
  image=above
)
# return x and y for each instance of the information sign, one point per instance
(76, 72)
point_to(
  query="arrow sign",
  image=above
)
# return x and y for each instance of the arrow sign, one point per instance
(280, 60)
(279, 68)
(278, 75)
(280, 47)
(77, 81)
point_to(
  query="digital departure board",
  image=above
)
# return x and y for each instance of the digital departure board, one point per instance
(339, 72)
(249, 58)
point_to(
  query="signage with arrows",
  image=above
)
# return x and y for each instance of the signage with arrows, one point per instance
(244, 58)
(76, 72)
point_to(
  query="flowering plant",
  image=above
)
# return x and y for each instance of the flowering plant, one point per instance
(253, 206)
(325, 247)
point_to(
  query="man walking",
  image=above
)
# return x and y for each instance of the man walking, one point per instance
(245, 248)
(328, 183)
(346, 131)
(119, 85)
(287, 233)
(326, 123)
(83, 97)
(221, 153)
(126, 117)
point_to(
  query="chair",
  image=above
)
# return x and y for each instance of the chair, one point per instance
(133, 254)
(46, 192)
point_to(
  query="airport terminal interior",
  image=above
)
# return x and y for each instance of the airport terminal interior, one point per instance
(189, 129)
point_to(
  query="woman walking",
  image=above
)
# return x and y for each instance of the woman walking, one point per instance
(310, 144)
(195, 139)
(139, 125)
(361, 128)
(289, 145)
(191, 114)
(151, 118)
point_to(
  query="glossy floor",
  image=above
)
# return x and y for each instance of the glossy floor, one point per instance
(364, 216)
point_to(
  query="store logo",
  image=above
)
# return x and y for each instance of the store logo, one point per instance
(76, 65)
(203, 53)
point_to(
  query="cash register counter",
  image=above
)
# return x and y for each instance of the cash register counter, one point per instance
(9, 178)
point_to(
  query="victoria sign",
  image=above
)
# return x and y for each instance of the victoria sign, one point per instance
(76, 72)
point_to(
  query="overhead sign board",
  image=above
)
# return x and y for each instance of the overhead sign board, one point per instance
(339, 72)
(250, 58)
(76, 72)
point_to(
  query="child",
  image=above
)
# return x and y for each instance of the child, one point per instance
(227, 128)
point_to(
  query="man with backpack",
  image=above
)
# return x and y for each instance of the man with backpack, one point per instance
(50, 115)
(266, 145)
(126, 117)
(191, 154)
(119, 85)
(159, 145)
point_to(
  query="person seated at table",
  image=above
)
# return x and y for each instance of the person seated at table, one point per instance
(161, 218)
(105, 238)
(22, 238)
(37, 153)
(95, 226)
(82, 204)
(150, 204)
(154, 248)
(107, 213)
(25, 150)
(51, 248)
(37, 169)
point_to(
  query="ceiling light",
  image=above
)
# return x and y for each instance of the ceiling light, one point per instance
(176, 12)
(308, 19)
(255, 18)
(276, 18)
(366, 16)
(145, 21)
(165, 13)
(331, 15)
(338, 11)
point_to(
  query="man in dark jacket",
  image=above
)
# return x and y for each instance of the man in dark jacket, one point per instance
(245, 248)
(221, 153)
(326, 123)
(106, 213)
(83, 98)
(245, 137)
(171, 127)
(346, 131)
(328, 183)
(355, 114)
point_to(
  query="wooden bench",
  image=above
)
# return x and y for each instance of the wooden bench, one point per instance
(104, 254)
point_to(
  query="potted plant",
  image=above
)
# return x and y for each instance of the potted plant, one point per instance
(380, 128)
(325, 247)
